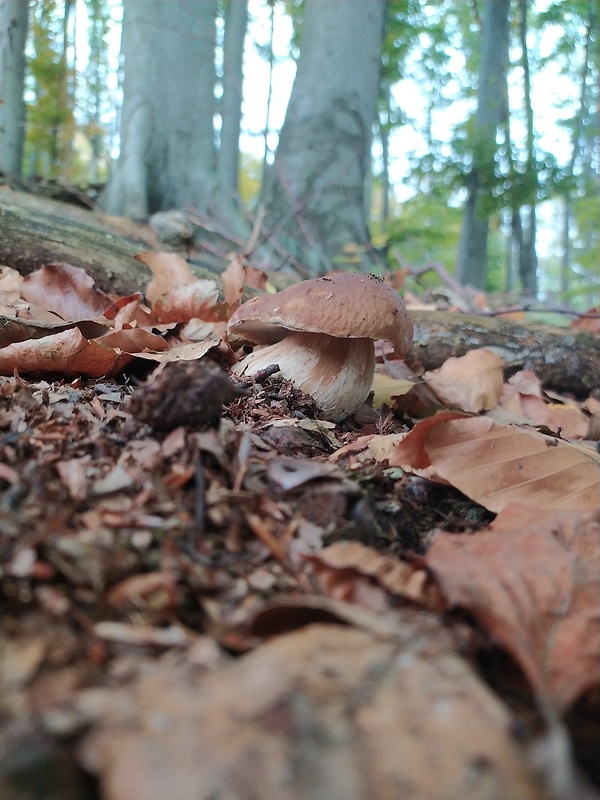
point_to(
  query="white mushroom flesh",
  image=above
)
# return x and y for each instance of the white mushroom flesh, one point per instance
(337, 373)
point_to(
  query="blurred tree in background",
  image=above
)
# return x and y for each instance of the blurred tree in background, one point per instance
(509, 198)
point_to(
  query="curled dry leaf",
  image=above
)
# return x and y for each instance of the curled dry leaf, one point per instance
(233, 280)
(69, 352)
(472, 382)
(168, 270)
(155, 588)
(342, 566)
(494, 465)
(531, 580)
(182, 303)
(523, 396)
(305, 716)
(174, 293)
(186, 351)
(65, 290)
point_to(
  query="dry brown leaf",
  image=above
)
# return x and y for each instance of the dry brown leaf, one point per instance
(523, 396)
(198, 330)
(341, 567)
(196, 300)
(326, 712)
(65, 290)
(472, 382)
(255, 278)
(233, 280)
(494, 465)
(157, 588)
(133, 340)
(68, 352)
(73, 473)
(410, 453)
(590, 324)
(168, 270)
(189, 351)
(531, 580)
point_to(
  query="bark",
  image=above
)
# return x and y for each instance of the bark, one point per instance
(528, 260)
(13, 34)
(472, 252)
(236, 23)
(315, 191)
(167, 157)
(267, 129)
(36, 231)
(566, 360)
(565, 264)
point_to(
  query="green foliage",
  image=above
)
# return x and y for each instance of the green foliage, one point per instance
(50, 110)
(423, 230)
(96, 97)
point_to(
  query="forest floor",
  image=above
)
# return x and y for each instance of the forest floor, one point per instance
(208, 592)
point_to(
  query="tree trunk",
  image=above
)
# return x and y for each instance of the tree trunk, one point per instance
(236, 23)
(565, 263)
(167, 155)
(472, 252)
(14, 20)
(315, 192)
(528, 261)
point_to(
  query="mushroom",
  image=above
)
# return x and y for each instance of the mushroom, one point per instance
(320, 333)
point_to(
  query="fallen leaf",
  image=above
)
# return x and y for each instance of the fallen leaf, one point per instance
(325, 712)
(155, 588)
(182, 303)
(73, 473)
(472, 382)
(341, 566)
(523, 396)
(168, 270)
(65, 290)
(494, 465)
(531, 580)
(188, 351)
(290, 473)
(591, 323)
(68, 352)
(115, 481)
(233, 280)
(385, 389)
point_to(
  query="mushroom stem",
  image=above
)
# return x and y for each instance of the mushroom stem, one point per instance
(337, 373)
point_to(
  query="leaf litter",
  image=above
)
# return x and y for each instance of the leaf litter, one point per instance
(198, 567)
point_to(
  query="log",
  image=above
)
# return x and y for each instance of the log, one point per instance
(566, 360)
(36, 231)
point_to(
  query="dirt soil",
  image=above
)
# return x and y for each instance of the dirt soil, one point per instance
(209, 593)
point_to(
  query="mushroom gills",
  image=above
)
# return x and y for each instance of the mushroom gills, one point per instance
(336, 372)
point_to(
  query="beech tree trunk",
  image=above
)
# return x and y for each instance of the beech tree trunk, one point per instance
(167, 157)
(14, 16)
(236, 24)
(315, 189)
(472, 252)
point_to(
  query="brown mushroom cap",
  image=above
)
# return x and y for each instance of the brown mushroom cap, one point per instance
(343, 305)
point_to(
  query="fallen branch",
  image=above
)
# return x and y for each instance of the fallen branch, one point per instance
(565, 359)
